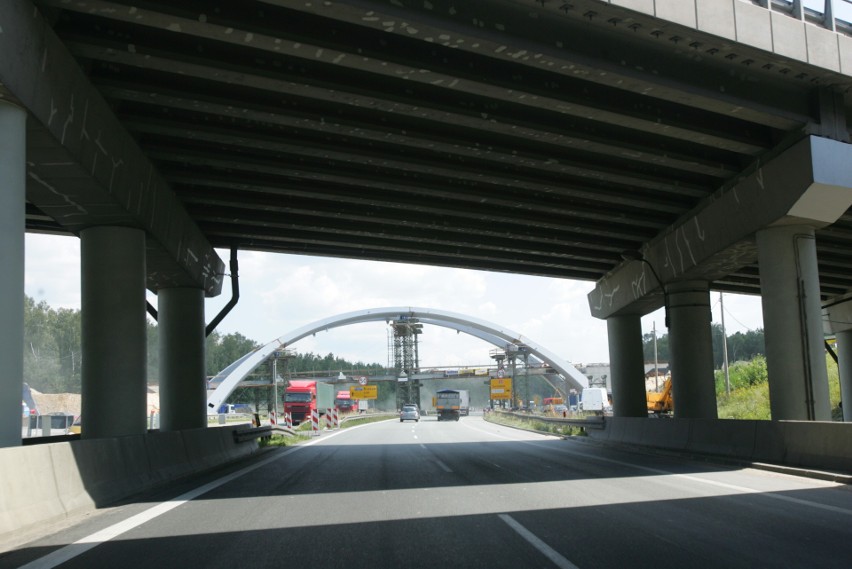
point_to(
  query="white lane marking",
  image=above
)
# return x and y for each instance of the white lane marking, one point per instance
(83, 545)
(725, 485)
(441, 463)
(545, 549)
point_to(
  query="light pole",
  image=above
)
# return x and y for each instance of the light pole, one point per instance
(725, 347)
(656, 364)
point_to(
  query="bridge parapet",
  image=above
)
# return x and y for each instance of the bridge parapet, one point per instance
(785, 28)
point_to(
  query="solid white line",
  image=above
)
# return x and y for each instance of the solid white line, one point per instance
(443, 466)
(545, 549)
(718, 484)
(83, 545)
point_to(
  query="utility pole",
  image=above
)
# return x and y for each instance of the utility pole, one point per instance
(656, 364)
(725, 346)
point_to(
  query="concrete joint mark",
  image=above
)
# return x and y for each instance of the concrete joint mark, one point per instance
(68, 120)
(77, 206)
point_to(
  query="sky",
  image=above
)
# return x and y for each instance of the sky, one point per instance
(280, 293)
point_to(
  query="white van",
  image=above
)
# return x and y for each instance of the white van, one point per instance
(594, 399)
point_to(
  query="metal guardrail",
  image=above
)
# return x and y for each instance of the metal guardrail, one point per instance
(246, 435)
(597, 422)
(836, 15)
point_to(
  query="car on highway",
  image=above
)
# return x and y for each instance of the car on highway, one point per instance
(409, 413)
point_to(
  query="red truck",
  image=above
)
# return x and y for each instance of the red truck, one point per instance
(344, 402)
(300, 398)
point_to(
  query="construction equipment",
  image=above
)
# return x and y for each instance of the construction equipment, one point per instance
(662, 402)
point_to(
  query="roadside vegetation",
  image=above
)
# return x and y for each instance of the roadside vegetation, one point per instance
(534, 424)
(749, 398)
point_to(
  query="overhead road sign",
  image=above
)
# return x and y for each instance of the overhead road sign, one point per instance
(501, 388)
(364, 392)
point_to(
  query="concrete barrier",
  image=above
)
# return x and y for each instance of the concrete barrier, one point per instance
(670, 434)
(727, 438)
(47, 482)
(29, 494)
(167, 456)
(769, 444)
(820, 445)
(804, 444)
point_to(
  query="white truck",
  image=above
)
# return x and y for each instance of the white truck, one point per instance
(452, 403)
(594, 399)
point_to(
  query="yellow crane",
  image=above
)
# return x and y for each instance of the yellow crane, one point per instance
(662, 402)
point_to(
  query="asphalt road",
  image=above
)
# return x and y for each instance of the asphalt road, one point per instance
(467, 494)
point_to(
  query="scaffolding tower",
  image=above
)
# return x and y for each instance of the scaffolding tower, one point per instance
(404, 358)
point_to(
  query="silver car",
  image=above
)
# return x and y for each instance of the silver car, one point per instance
(409, 413)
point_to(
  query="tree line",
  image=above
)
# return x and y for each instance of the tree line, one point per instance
(741, 347)
(53, 355)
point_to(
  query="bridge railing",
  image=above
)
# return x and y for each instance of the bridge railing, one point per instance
(834, 15)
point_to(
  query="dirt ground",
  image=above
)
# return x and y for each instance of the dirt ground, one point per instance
(70, 403)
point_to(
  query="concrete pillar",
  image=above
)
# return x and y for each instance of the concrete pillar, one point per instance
(792, 320)
(627, 369)
(13, 172)
(691, 347)
(183, 389)
(114, 333)
(844, 364)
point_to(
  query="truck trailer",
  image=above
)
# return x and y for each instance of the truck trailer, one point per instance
(452, 403)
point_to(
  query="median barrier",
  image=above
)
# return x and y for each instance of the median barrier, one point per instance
(769, 443)
(29, 493)
(167, 456)
(47, 482)
(818, 444)
(727, 437)
(667, 433)
(113, 468)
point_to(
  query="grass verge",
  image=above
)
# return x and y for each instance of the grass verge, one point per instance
(532, 424)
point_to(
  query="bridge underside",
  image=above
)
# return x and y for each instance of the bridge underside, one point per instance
(540, 138)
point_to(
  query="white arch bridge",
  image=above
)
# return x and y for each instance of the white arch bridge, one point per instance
(230, 377)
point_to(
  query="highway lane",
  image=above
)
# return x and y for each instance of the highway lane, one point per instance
(468, 494)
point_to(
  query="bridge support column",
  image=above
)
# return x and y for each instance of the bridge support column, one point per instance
(627, 368)
(183, 390)
(114, 331)
(691, 346)
(844, 364)
(13, 121)
(792, 319)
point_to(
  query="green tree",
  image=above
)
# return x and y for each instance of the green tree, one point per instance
(662, 347)
(221, 350)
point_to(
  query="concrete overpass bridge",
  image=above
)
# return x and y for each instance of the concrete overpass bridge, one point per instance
(708, 140)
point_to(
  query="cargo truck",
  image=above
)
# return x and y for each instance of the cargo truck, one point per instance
(452, 403)
(344, 402)
(300, 398)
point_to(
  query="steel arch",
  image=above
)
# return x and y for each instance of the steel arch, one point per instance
(499, 336)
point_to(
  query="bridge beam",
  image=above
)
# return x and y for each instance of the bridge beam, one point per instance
(84, 167)
(113, 331)
(627, 369)
(183, 389)
(808, 186)
(12, 209)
